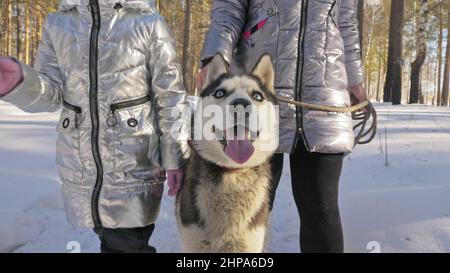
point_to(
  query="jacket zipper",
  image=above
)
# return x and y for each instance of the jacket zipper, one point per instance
(72, 107)
(93, 103)
(299, 79)
(126, 104)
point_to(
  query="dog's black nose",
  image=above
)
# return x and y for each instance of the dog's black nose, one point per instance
(240, 102)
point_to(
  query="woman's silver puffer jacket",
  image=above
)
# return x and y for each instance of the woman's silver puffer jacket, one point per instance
(117, 77)
(315, 47)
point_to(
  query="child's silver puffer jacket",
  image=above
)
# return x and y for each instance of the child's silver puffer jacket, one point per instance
(112, 65)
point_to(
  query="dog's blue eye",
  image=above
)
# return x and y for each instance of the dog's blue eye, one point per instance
(258, 96)
(220, 93)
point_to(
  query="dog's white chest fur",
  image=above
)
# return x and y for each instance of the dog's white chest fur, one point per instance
(228, 211)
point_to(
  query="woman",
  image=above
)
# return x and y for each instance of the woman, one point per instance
(315, 48)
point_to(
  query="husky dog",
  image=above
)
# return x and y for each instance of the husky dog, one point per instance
(223, 203)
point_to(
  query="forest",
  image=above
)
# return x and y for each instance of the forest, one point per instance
(405, 49)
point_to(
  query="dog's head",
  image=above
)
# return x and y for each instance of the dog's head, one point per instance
(236, 123)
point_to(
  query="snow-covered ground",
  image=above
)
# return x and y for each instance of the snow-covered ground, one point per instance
(401, 207)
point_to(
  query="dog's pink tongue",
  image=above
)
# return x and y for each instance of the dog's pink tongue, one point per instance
(239, 151)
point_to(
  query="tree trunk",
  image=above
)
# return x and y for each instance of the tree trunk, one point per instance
(4, 31)
(380, 63)
(416, 66)
(8, 32)
(393, 85)
(186, 41)
(426, 95)
(369, 78)
(2, 27)
(18, 31)
(439, 55)
(27, 34)
(445, 85)
(37, 36)
(369, 32)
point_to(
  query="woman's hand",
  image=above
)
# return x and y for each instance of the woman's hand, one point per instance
(358, 95)
(201, 78)
(174, 180)
(10, 75)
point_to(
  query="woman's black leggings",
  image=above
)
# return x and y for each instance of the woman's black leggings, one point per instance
(315, 182)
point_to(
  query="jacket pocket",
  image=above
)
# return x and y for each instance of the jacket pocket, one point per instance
(135, 145)
(68, 145)
(262, 16)
(260, 35)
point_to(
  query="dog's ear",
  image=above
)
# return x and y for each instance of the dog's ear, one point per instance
(264, 72)
(216, 68)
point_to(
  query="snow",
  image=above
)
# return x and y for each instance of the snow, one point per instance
(401, 207)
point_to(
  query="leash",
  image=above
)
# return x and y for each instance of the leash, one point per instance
(322, 108)
(363, 136)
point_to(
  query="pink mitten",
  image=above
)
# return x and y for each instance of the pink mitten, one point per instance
(10, 75)
(174, 180)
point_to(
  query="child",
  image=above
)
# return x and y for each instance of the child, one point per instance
(112, 65)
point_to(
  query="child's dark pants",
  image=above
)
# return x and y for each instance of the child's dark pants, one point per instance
(125, 240)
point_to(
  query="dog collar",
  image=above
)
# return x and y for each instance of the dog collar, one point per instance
(229, 170)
